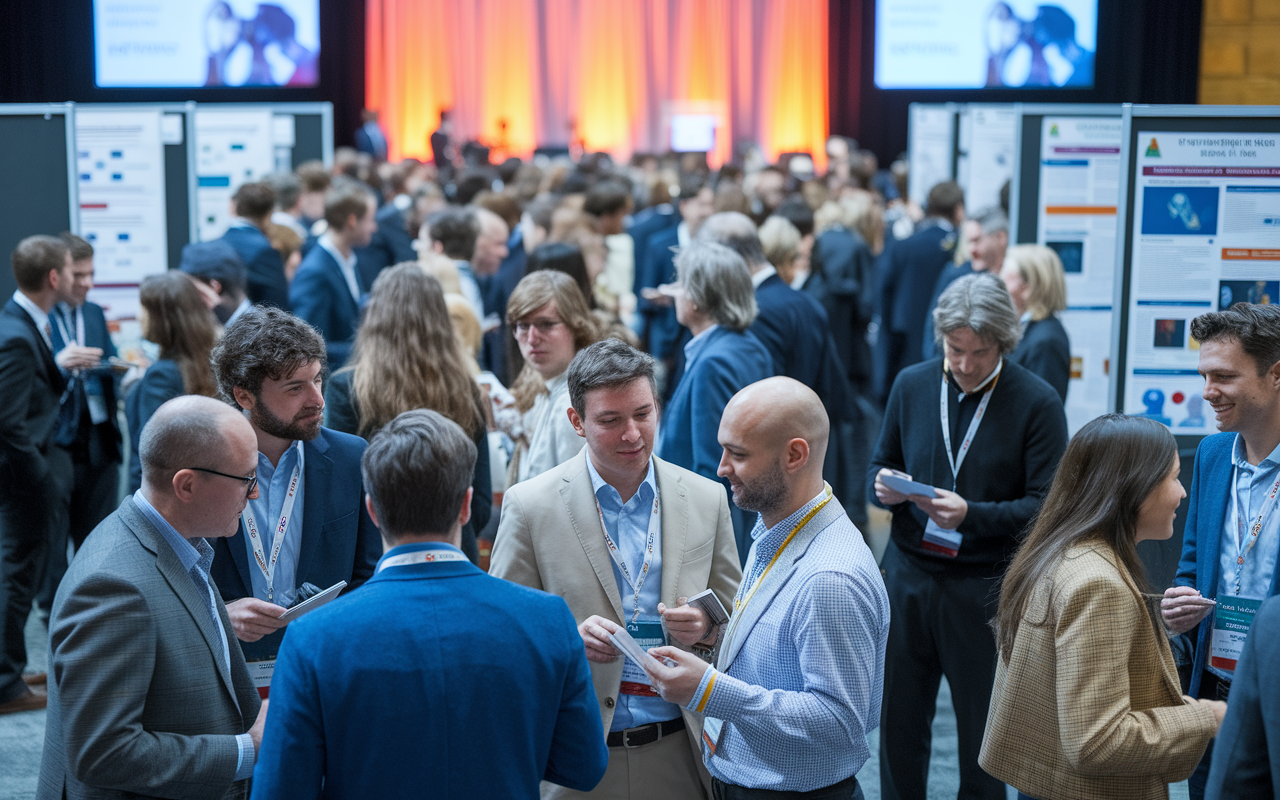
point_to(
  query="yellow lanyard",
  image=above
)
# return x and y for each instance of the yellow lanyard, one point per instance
(737, 606)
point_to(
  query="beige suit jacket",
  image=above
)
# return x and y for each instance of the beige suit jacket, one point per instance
(1088, 705)
(550, 538)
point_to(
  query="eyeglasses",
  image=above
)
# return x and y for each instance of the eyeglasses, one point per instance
(251, 480)
(543, 326)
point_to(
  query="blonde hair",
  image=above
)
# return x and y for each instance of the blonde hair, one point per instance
(781, 242)
(442, 268)
(466, 327)
(1041, 269)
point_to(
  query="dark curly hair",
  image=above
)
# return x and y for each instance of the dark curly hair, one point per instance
(264, 342)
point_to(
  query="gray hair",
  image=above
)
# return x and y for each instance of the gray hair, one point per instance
(185, 432)
(992, 220)
(604, 365)
(716, 280)
(981, 303)
(417, 470)
(737, 232)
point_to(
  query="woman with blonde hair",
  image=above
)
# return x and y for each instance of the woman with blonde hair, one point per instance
(174, 316)
(1033, 274)
(407, 356)
(551, 322)
(1087, 703)
(781, 242)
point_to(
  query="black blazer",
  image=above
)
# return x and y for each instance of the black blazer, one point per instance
(391, 244)
(267, 283)
(1046, 351)
(915, 264)
(31, 387)
(844, 281)
(102, 441)
(160, 383)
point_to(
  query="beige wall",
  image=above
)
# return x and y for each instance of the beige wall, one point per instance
(1240, 52)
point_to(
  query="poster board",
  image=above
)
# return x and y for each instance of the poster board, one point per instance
(985, 145)
(931, 147)
(37, 155)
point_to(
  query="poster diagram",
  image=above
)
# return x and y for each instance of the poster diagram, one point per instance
(1207, 212)
(988, 139)
(931, 149)
(232, 147)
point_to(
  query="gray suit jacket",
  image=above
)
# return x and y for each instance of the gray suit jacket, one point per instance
(140, 702)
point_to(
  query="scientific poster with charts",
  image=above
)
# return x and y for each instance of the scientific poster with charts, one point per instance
(930, 148)
(1206, 235)
(120, 172)
(988, 139)
(232, 147)
(1079, 189)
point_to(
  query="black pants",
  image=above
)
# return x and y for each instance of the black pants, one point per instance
(847, 789)
(95, 495)
(938, 626)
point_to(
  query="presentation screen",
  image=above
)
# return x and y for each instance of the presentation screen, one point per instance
(962, 44)
(206, 43)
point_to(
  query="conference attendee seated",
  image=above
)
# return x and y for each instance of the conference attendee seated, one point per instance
(216, 265)
(715, 301)
(625, 538)
(795, 685)
(407, 356)
(986, 435)
(149, 695)
(1033, 273)
(308, 523)
(1087, 701)
(253, 204)
(326, 292)
(552, 323)
(383, 693)
(173, 316)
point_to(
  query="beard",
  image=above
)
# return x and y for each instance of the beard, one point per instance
(764, 494)
(297, 428)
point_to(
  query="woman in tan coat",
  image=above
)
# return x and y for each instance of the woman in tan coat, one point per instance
(1087, 703)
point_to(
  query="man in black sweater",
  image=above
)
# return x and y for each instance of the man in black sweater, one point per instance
(990, 454)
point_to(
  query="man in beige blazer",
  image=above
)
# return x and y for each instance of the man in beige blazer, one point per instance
(625, 539)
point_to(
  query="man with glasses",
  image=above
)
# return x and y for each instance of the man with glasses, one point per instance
(307, 523)
(148, 690)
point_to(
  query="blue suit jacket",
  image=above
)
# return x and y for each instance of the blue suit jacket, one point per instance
(320, 296)
(643, 226)
(915, 264)
(103, 440)
(391, 244)
(266, 280)
(434, 680)
(1206, 509)
(159, 384)
(659, 267)
(726, 363)
(793, 327)
(339, 540)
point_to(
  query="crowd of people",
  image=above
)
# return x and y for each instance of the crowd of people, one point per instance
(663, 397)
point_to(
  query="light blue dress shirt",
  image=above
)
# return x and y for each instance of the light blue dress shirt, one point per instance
(273, 486)
(628, 524)
(1250, 485)
(695, 345)
(196, 556)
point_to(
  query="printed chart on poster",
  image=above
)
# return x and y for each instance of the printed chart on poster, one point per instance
(1206, 234)
(988, 141)
(931, 147)
(232, 147)
(1079, 184)
(120, 171)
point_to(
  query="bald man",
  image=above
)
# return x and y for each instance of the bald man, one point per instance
(796, 682)
(149, 695)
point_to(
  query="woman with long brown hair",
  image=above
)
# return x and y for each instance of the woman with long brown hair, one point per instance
(1087, 702)
(174, 316)
(406, 356)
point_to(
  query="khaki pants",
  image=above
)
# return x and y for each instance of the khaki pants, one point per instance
(664, 769)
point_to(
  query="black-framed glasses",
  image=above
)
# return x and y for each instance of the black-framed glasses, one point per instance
(251, 480)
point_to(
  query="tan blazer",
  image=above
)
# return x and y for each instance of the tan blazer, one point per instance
(550, 538)
(1088, 705)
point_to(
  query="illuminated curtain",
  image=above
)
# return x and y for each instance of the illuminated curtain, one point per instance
(519, 74)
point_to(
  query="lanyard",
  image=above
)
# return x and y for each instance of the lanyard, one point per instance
(738, 603)
(1246, 541)
(637, 583)
(421, 557)
(65, 332)
(268, 567)
(956, 460)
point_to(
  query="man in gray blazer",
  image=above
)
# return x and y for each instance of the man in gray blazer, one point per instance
(149, 695)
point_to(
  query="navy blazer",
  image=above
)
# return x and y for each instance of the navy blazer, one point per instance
(31, 386)
(390, 245)
(659, 267)
(1045, 350)
(1206, 510)
(159, 384)
(266, 280)
(793, 326)
(915, 264)
(320, 296)
(844, 282)
(103, 440)
(434, 680)
(726, 363)
(644, 225)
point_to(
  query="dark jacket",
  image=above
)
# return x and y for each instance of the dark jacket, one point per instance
(320, 296)
(100, 443)
(844, 281)
(160, 383)
(913, 270)
(662, 330)
(1046, 351)
(266, 280)
(391, 244)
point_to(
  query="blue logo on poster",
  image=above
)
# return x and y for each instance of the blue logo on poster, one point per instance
(1180, 210)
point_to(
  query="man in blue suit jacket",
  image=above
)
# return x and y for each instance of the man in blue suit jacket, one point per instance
(661, 330)
(308, 523)
(254, 203)
(434, 680)
(1232, 538)
(326, 292)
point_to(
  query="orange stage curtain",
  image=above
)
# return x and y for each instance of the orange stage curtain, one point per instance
(524, 73)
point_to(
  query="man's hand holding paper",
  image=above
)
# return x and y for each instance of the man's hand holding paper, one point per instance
(595, 631)
(253, 618)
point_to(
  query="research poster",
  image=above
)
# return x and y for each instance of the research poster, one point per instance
(120, 172)
(1079, 189)
(232, 147)
(931, 148)
(1206, 235)
(988, 139)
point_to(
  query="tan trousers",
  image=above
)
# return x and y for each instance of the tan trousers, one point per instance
(664, 769)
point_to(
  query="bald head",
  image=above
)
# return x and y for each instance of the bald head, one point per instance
(737, 232)
(190, 431)
(777, 410)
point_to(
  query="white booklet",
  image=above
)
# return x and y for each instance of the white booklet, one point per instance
(623, 641)
(312, 603)
(902, 484)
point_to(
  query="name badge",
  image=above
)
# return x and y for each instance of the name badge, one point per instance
(635, 681)
(711, 729)
(940, 540)
(260, 673)
(1231, 621)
